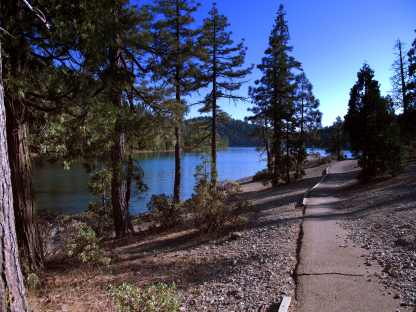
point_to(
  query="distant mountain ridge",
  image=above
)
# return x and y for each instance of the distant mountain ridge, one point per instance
(234, 132)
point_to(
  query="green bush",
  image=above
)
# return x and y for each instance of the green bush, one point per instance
(84, 245)
(215, 206)
(155, 298)
(164, 211)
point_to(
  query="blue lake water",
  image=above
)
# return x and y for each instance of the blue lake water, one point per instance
(66, 191)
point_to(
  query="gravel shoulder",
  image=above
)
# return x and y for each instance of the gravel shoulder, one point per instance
(248, 270)
(381, 218)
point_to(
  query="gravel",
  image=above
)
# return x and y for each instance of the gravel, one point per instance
(386, 227)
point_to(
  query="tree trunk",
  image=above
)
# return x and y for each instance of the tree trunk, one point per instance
(178, 132)
(402, 79)
(301, 151)
(118, 184)
(288, 161)
(28, 237)
(267, 147)
(214, 110)
(118, 180)
(178, 154)
(21, 174)
(12, 291)
(277, 157)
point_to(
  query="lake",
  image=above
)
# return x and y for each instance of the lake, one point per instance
(66, 191)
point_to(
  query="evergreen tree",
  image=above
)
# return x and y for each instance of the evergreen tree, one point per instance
(370, 123)
(11, 281)
(177, 64)
(337, 138)
(400, 78)
(411, 86)
(274, 94)
(222, 68)
(308, 118)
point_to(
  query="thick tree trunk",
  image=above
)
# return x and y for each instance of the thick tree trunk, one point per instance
(118, 179)
(19, 155)
(12, 291)
(118, 184)
(21, 173)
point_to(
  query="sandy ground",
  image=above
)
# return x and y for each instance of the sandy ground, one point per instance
(248, 270)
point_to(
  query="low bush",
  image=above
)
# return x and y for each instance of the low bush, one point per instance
(84, 246)
(262, 175)
(164, 211)
(215, 206)
(155, 298)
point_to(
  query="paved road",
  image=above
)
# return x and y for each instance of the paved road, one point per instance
(332, 275)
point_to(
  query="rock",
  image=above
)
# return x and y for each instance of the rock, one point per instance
(406, 241)
(235, 235)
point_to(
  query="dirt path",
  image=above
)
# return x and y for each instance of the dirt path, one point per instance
(333, 275)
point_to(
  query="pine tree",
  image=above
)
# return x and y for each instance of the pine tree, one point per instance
(400, 78)
(11, 281)
(411, 86)
(274, 94)
(223, 68)
(177, 67)
(308, 117)
(337, 140)
(370, 123)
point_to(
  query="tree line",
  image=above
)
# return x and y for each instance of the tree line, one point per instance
(379, 129)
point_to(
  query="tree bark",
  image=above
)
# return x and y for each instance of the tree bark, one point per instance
(178, 132)
(267, 146)
(118, 180)
(118, 183)
(402, 79)
(28, 236)
(288, 162)
(21, 174)
(214, 109)
(12, 291)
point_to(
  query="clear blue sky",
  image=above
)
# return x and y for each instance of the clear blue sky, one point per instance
(332, 39)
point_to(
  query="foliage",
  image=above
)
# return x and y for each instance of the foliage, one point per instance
(33, 282)
(164, 211)
(84, 245)
(214, 206)
(372, 126)
(155, 298)
(284, 106)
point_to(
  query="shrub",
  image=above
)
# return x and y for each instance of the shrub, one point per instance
(33, 282)
(155, 298)
(214, 206)
(84, 245)
(164, 211)
(262, 175)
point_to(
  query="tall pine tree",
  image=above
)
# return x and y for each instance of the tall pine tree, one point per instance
(274, 94)
(308, 118)
(370, 123)
(177, 67)
(223, 69)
